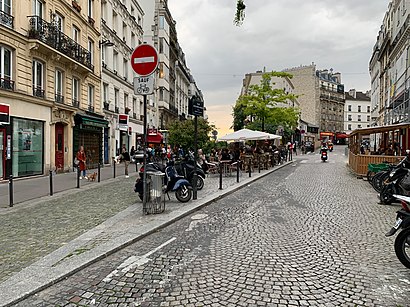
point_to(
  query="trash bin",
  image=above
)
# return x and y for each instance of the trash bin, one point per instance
(155, 202)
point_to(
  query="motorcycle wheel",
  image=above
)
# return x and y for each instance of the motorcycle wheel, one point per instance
(369, 176)
(378, 180)
(199, 183)
(140, 195)
(183, 194)
(402, 247)
(386, 194)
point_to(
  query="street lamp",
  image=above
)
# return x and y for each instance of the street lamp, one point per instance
(105, 42)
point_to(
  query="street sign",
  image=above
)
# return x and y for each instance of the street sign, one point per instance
(144, 60)
(196, 106)
(4, 114)
(144, 85)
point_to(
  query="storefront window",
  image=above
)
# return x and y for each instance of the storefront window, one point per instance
(27, 156)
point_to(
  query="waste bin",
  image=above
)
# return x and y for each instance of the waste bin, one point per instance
(155, 202)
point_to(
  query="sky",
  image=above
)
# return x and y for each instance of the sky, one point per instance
(275, 35)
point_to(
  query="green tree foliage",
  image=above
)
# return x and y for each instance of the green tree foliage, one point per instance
(240, 13)
(260, 105)
(181, 133)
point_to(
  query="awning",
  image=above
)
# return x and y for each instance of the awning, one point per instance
(341, 136)
(82, 119)
(154, 138)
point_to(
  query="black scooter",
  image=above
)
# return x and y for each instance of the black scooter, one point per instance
(402, 242)
(173, 182)
(323, 154)
(186, 168)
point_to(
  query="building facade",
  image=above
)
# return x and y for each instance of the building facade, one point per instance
(50, 78)
(122, 32)
(357, 110)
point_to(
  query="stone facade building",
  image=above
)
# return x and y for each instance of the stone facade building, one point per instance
(357, 110)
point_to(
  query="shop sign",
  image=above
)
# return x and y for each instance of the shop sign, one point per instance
(4, 114)
(123, 122)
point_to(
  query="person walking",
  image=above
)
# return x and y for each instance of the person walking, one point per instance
(82, 165)
(125, 157)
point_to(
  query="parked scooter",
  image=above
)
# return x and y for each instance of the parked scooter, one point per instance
(186, 168)
(402, 242)
(173, 181)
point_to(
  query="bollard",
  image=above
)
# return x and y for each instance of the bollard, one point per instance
(220, 176)
(113, 160)
(51, 182)
(249, 167)
(237, 170)
(78, 177)
(259, 164)
(99, 169)
(11, 195)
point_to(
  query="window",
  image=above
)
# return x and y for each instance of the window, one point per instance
(103, 52)
(59, 79)
(5, 6)
(359, 108)
(116, 97)
(368, 109)
(38, 79)
(359, 118)
(349, 117)
(126, 100)
(161, 22)
(105, 92)
(91, 98)
(60, 22)
(359, 126)
(349, 127)
(115, 61)
(76, 92)
(90, 8)
(161, 45)
(38, 8)
(349, 108)
(76, 34)
(125, 69)
(368, 118)
(91, 50)
(5, 63)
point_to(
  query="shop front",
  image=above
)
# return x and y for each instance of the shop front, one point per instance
(89, 132)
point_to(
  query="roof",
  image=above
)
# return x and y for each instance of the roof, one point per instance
(379, 129)
(359, 96)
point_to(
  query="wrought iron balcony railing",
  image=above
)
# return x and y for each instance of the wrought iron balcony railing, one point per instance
(75, 103)
(6, 84)
(6, 19)
(91, 108)
(59, 98)
(38, 92)
(49, 34)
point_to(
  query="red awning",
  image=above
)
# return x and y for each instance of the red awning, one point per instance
(342, 136)
(154, 138)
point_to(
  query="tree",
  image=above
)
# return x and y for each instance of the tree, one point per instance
(260, 104)
(181, 133)
(240, 13)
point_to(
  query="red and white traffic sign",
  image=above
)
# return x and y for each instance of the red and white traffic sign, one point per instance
(144, 59)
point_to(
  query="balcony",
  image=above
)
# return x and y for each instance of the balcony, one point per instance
(91, 108)
(59, 98)
(75, 103)
(6, 19)
(38, 92)
(117, 110)
(49, 34)
(6, 84)
(106, 105)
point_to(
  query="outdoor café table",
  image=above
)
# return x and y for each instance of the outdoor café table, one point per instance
(225, 166)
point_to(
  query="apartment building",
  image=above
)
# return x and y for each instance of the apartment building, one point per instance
(389, 67)
(121, 29)
(357, 110)
(50, 78)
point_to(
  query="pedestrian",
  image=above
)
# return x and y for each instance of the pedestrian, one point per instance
(295, 145)
(81, 157)
(290, 151)
(125, 157)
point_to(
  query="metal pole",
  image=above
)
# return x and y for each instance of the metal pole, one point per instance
(99, 171)
(250, 167)
(259, 163)
(144, 176)
(195, 176)
(237, 170)
(113, 161)
(51, 182)
(78, 176)
(220, 176)
(11, 196)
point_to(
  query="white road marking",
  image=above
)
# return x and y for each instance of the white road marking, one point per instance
(135, 261)
(196, 220)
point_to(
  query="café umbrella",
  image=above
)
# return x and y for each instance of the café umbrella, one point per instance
(248, 135)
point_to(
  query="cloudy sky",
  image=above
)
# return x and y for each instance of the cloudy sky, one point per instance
(276, 34)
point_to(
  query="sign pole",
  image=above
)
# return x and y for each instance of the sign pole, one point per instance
(195, 176)
(144, 176)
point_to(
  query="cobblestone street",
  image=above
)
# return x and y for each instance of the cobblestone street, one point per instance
(307, 235)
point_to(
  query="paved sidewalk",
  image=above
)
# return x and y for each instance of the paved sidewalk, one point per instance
(46, 240)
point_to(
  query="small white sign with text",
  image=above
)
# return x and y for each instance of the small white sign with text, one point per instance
(144, 85)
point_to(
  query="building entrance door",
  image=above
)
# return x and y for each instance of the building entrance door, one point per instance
(59, 156)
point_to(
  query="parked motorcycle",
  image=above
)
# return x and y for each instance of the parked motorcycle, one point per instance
(173, 182)
(402, 242)
(186, 168)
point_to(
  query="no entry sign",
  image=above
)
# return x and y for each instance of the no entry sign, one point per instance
(144, 60)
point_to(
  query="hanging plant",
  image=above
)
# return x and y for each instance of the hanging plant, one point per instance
(240, 13)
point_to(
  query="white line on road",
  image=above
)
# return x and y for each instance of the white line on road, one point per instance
(135, 261)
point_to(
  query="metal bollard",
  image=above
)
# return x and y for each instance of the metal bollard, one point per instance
(237, 170)
(78, 177)
(220, 176)
(259, 164)
(50, 175)
(99, 171)
(250, 167)
(11, 192)
(113, 161)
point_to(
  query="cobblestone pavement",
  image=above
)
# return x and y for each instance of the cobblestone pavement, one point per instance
(308, 235)
(32, 230)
